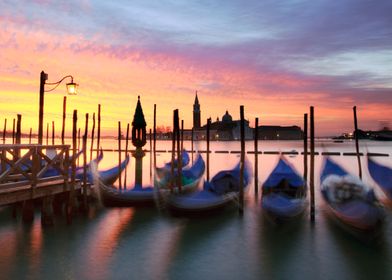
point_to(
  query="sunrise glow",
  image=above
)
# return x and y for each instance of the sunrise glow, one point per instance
(276, 60)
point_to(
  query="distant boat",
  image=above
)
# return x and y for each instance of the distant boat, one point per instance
(284, 192)
(221, 191)
(382, 175)
(350, 201)
(338, 141)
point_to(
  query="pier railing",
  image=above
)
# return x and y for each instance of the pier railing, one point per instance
(22, 164)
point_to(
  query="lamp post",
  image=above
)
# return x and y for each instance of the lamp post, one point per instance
(71, 89)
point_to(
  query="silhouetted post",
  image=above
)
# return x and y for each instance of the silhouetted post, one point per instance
(305, 147)
(18, 135)
(53, 134)
(311, 179)
(241, 194)
(173, 154)
(182, 135)
(256, 157)
(78, 145)
(64, 116)
(155, 136)
(179, 157)
(356, 142)
(30, 135)
(139, 139)
(71, 201)
(192, 135)
(13, 131)
(126, 154)
(99, 129)
(150, 154)
(92, 138)
(4, 130)
(119, 155)
(43, 78)
(47, 133)
(85, 164)
(208, 148)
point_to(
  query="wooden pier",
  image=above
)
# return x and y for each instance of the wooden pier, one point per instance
(30, 172)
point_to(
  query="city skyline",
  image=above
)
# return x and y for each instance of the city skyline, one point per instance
(276, 59)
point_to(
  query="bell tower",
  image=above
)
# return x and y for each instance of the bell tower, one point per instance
(196, 113)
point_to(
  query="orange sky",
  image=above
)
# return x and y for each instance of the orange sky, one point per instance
(114, 74)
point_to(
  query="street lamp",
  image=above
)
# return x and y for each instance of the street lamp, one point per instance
(71, 89)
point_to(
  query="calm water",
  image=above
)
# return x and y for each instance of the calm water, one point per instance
(149, 243)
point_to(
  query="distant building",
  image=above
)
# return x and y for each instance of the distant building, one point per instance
(196, 114)
(272, 132)
(224, 130)
(228, 129)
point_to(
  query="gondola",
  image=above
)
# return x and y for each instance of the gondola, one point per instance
(108, 176)
(382, 175)
(191, 177)
(51, 171)
(184, 160)
(136, 195)
(284, 192)
(221, 191)
(351, 202)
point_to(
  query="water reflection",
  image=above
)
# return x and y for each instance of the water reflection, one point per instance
(278, 245)
(104, 239)
(366, 258)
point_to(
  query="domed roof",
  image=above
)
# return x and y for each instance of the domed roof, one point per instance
(226, 117)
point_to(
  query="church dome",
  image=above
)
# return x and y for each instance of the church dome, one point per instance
(227, 118)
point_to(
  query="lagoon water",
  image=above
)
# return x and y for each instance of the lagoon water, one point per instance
(150, 243)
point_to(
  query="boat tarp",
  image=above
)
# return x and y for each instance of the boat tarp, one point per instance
(382, 175)
(283, 171)
(331, 168)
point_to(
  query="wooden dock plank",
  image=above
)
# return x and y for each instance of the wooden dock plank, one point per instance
(25, 192)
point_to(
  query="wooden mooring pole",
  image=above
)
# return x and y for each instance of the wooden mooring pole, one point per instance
(311, 179)
(4, 130)
(99, 129)
(64, 116)
(30, 135)
(155, 136)
(70, 207)
(84, 204)
(78, 145)
(179, 157)
(150, 154)
(119, 155)
(126, 154)
(356, 132)
(53, 133)
(92, 138)
(241, 193)
(305, 148)
(256, 173)
(13, 131)
(47, 133)
(208, 148)
(18, 135)
(173, 151)
(192, 136)
(182, 135)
